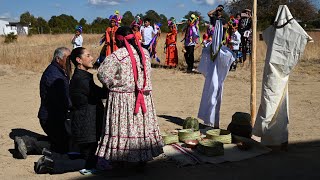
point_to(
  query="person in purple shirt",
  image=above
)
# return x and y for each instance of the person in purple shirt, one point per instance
(190, 40)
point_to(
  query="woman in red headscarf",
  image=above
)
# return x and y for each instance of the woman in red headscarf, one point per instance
(110, 35)
(171, 48)
(131, 128)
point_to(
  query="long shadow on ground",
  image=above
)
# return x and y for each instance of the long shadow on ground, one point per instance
(179, 121)
(300, 162)
(22, 132)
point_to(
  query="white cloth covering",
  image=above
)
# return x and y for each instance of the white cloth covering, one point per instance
(215, 73)
(286, 41)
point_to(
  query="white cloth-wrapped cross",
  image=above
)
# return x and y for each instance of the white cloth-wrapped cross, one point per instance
(286, 41)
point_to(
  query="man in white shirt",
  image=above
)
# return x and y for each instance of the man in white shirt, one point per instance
(77, 39)
(147, 33)
(235, 42)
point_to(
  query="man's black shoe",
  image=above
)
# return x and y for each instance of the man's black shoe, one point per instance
(44, 165)
(20, 147)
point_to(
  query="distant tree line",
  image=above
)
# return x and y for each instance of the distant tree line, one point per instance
(303, 10)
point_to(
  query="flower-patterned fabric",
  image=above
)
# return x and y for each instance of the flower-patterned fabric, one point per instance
(128, 136)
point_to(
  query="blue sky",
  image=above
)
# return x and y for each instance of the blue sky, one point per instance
(90, 9)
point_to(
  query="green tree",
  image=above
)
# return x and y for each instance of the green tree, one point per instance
(85, 26)
(63, 23)
(164, 22)
(127, 18)
(82, 22)
(153, 16)
(303, 10)
(99, 25)
(42, 26)
(27, 18)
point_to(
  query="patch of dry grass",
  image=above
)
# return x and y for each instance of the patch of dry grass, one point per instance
(35, 52)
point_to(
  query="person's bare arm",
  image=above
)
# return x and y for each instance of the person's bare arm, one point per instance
(211, 13)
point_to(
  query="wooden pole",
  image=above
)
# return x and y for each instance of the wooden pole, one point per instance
(253, 97)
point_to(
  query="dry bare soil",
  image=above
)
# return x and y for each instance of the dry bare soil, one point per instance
(177, 96)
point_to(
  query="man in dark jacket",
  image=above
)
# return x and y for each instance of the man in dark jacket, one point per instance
(55, 103)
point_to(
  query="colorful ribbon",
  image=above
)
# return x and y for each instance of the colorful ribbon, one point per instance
(140, 98)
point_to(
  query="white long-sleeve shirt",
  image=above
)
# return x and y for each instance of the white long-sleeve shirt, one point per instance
(77, 42)
(147, 34)
(236, 40)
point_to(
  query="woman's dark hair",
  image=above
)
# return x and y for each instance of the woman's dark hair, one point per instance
(77, 52)
(124, 31)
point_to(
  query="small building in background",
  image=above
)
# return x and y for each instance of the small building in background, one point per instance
(8, 26)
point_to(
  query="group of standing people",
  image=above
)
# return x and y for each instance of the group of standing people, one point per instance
(237, 32)
(81, 132)
(220, 55)
(148, 35)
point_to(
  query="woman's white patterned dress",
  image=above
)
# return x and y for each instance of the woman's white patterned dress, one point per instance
(128, 136)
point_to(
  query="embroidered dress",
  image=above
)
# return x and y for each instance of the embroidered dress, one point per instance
(171, 53)
(128, 136)
(110, 40)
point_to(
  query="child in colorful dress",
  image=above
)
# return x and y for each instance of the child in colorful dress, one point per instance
(170, 46)
(135, 26)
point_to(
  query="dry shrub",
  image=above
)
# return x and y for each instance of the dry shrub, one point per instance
(35, 52)
(10, 38)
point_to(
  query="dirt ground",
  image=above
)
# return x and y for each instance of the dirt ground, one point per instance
(177, 96)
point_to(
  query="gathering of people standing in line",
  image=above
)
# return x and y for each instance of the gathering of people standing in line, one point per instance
(81, 131)
(148, 35)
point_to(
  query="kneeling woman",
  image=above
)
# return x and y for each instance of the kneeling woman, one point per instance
(131, 127)
(86, 119)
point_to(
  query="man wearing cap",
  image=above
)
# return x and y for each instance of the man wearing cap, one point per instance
(216, 14)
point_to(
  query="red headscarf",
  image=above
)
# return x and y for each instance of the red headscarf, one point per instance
(140, 98)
